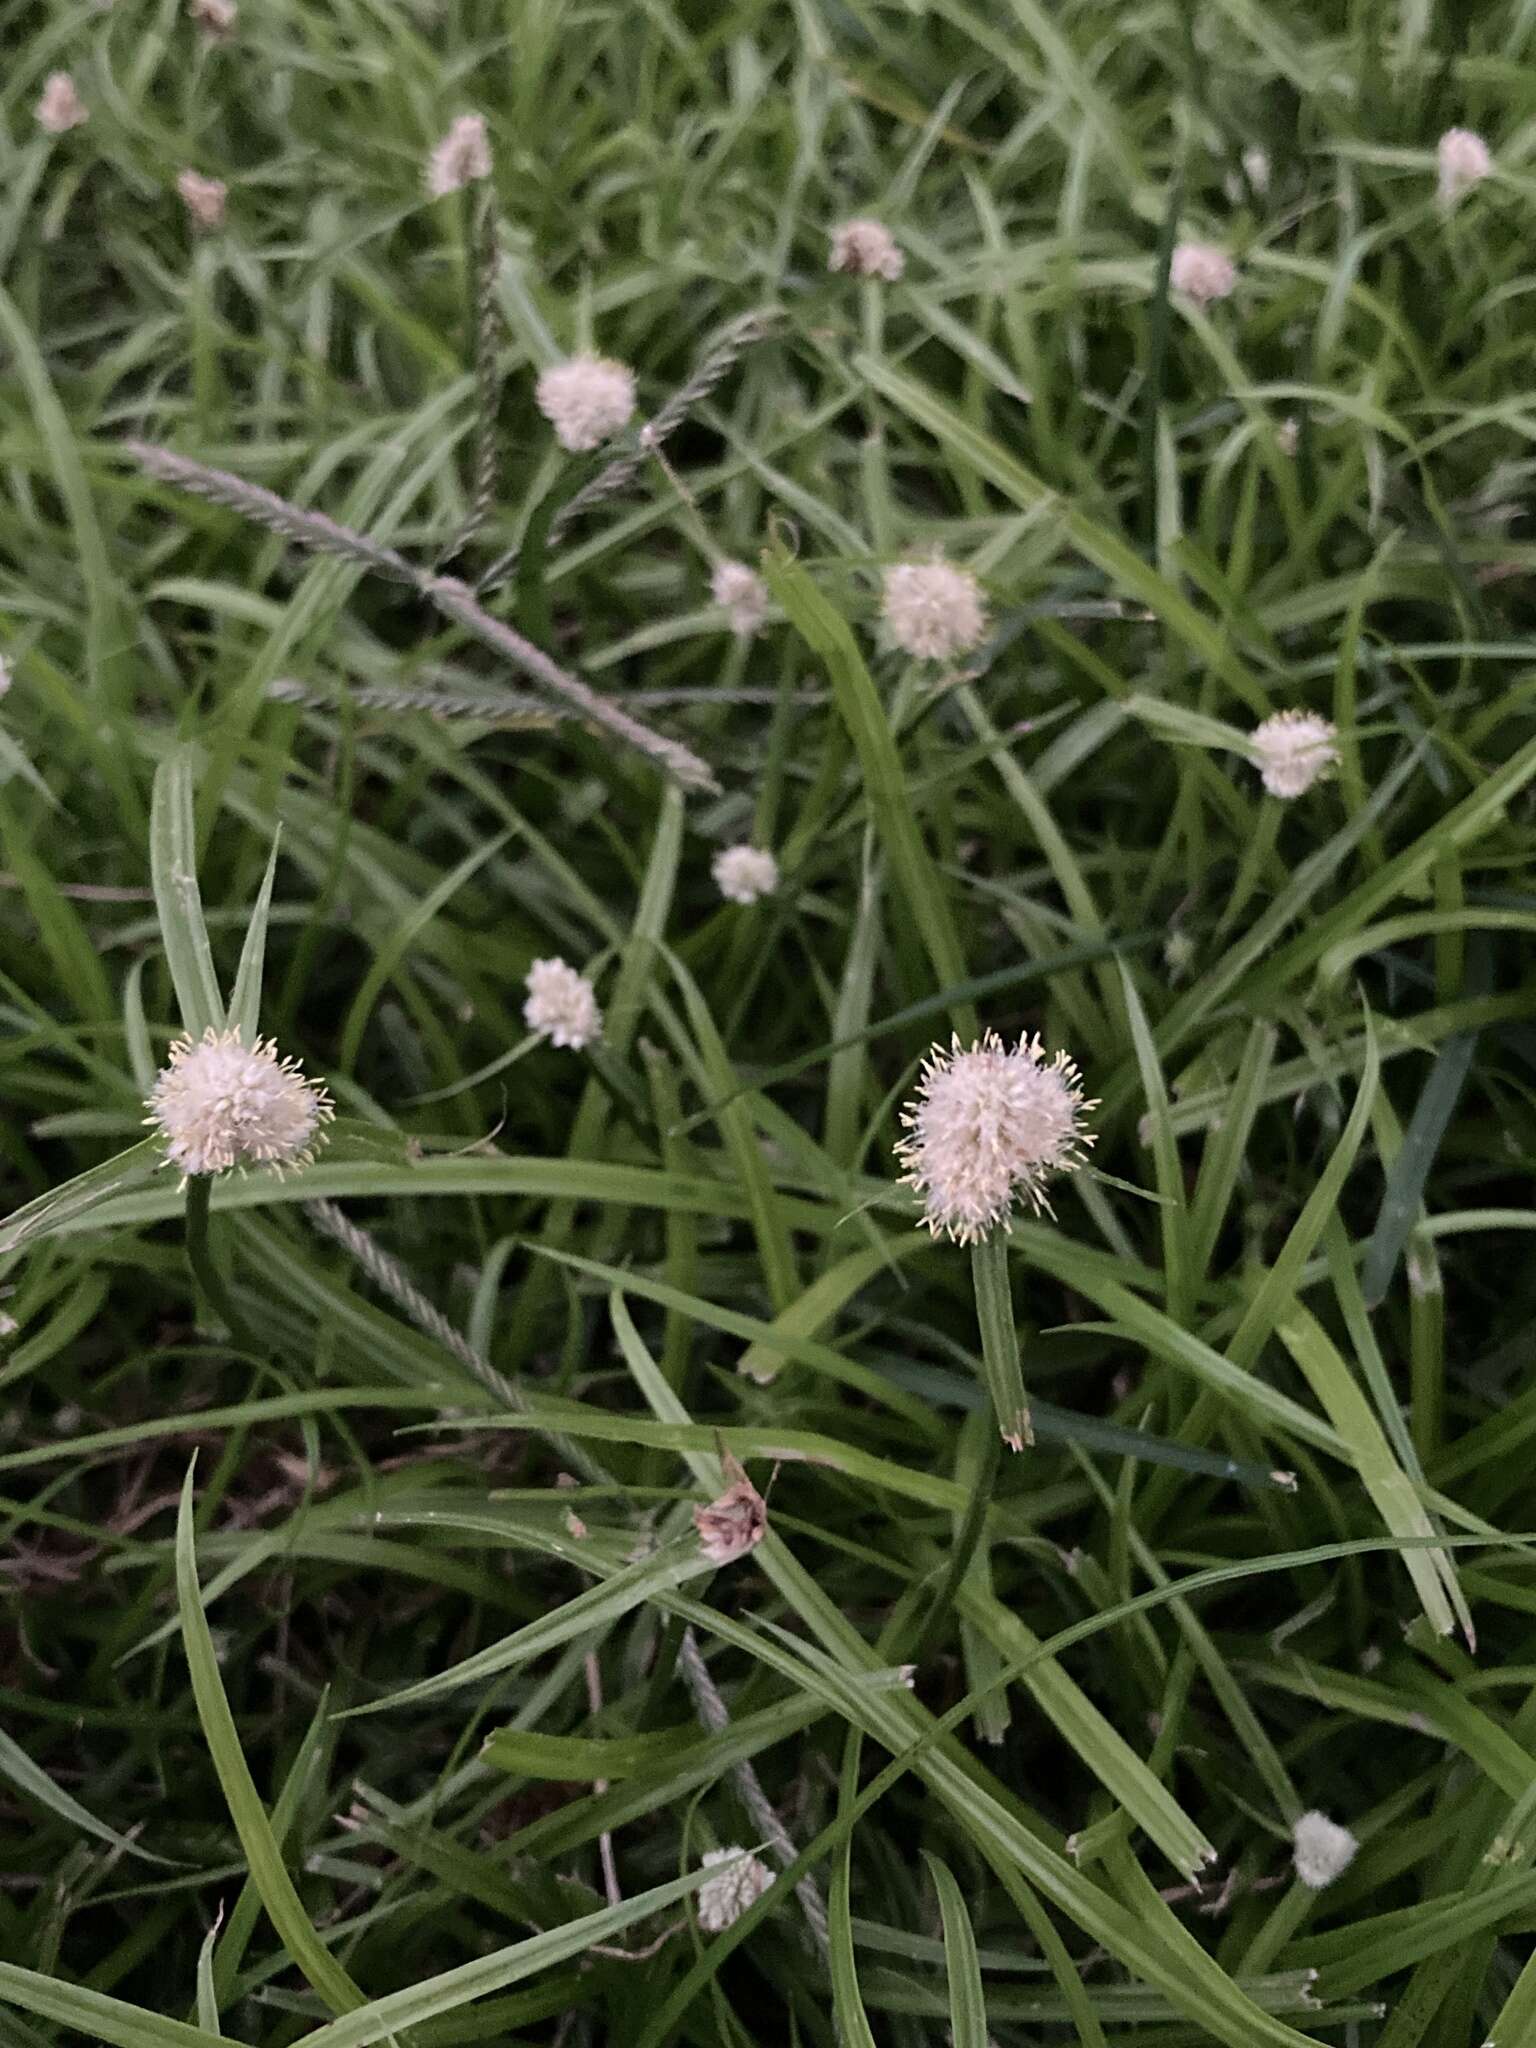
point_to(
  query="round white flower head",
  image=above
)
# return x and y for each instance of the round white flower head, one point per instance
(586, 399)
(462, 157)
(60, 107)
(221, 1103)
(743, 873)
(1464, 160)
(743, 596)
(1323, 1850)
(214, 17)
(561, 1005)
(1202, 272)
(932, 609)
(867, 248)
(203, 198)
(1293, 750)
(740, 1882)
(988, 1127)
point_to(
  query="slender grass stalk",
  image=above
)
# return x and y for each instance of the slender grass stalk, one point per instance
(205, 1267)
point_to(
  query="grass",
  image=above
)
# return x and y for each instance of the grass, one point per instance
(362, 1680)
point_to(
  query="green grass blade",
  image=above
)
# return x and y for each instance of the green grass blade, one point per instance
(178, 901)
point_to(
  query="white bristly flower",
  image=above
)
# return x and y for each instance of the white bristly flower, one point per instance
(220, 1103)
(561, 1005)
(932, 609)
(1323, 1850)
(1293, 750)
(739, 1883)
(1202, 272)
(744, 873)
(203, 198)
(866, 248)
(742, 595)
(988, 1127)
(1464, 160)
(586, 399)
(461, 158)
(214, 17)
(60, 107)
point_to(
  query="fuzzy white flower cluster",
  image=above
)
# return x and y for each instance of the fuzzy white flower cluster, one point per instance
(866, 248)
(1292, 750)
(214, 17)
(1202, 272)
(461, 158)
(1463, 160)
(202, 197)
(932, 609)
(989, 1125)
(1322, 1849)
(561, 1005)
(220, 1103)
(742, 595)
(60, 108)
(739, 1882)
(744, 873)
(586, 399)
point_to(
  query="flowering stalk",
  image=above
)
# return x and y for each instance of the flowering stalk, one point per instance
(1000, 1352)
(205, 1268)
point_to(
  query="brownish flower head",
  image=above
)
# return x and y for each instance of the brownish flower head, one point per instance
(735, 1523)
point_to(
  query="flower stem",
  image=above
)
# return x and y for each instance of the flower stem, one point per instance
(967, 1536)
(1001, 1367)
(205, 1271)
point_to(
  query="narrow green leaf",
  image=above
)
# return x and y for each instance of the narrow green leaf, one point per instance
(1000, 1349)
(1409, 1171)
(245, 1001)
(178, 901)
(268, 1872)
(967, 1997)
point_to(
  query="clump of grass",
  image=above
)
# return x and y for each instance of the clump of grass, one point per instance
(1052, 564)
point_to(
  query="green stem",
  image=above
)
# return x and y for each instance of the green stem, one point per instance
(967, 1536)
(204, 1270)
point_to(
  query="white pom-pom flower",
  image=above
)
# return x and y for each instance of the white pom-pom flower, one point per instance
(203, 198)
(461, 158)
(742, 595)
(1323, 1850)
(866, 248)
(586, 399)
(1293, 750)
(561, 1005)
(1463, 160)
(1202, 272)
(60, 108)
(214, 17)
(989, 1126)
(932, 609)
(220, 1103)
(744, 873)
(739, 1882)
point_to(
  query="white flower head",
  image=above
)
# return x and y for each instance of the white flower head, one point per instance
(220, 1103)
(203, 198)
(867, 248)
(1464, 160)
(1323, 1850)
(214, 17)
(932, 609)
(742, 595)
(744, 873)
(561, 1005)
(1202, 272)
(734, 1523)
(461, 158)
(1293, 750)
(586, 399)
(739, 1882)
(60, 108)
(988, 1127)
